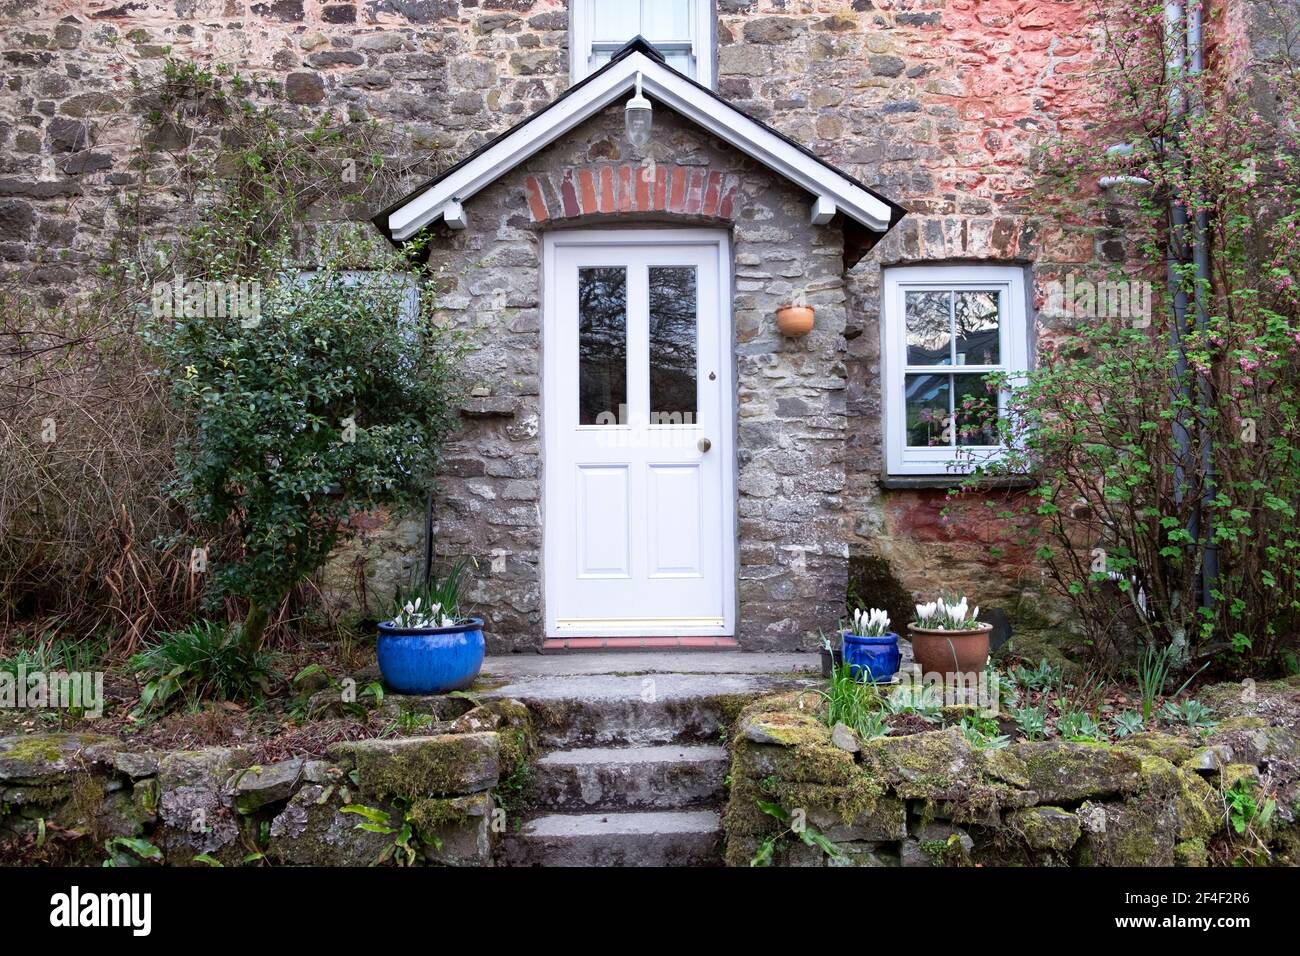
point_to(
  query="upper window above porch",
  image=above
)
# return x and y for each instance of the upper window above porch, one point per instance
(682, 30)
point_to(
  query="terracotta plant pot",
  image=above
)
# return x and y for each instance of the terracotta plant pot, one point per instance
(950, 652)
(794, 320)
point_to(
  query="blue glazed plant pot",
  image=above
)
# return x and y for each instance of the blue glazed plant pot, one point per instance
(431, 660)
(873, 659)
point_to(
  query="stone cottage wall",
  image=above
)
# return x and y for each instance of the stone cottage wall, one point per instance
(792, 560)
(937, 103)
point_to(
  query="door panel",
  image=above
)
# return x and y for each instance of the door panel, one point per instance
(603, 521)
(637, 422)
(676, 548)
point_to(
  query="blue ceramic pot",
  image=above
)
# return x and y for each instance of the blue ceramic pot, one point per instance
(871, 658)
(432, 660)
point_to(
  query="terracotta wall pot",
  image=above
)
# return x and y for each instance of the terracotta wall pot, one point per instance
(794, 320)
(948, 652)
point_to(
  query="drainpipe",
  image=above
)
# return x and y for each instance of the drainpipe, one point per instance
(1176, 53)
(1204, 386)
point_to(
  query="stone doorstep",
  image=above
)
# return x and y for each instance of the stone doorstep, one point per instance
(689, 838)
(573, 645)
(672, 777)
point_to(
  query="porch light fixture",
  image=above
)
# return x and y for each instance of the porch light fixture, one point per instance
(638, 118)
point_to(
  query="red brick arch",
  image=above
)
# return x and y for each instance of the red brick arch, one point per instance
(607, 188)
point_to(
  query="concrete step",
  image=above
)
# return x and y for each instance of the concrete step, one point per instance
(683, 838)
(668, 777)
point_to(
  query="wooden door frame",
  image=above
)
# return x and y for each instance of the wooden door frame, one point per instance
(726, 442)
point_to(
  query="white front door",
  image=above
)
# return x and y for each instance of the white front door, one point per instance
(637, 423)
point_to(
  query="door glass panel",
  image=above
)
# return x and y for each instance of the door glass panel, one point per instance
(977, 328)
(928, 409)
(602, 344)
(673, 338)
(929, 328)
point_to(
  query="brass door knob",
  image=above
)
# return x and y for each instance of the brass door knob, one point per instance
(704, 444)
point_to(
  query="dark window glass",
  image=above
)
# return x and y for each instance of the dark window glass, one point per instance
(976, 317)
(928, 410)
(673, 339)
(929, 328)
(977, 410)
(602, 345)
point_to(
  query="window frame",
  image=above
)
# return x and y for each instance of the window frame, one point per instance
(902, 459)
(703, 40)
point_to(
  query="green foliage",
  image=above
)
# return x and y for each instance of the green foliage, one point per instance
(1152, 676)
(443, 593)
(1031, 722)
(920, 700)
(1245, 813)
(982, 733)
(203, 661)
(136, 848)
(50, 653)
(335, 402)
(1126, 723)
(1191, 713)
(1077, 725)
(404, 849)
(1125, 408)
(853, 704)
(1044, 677)
(796, 825)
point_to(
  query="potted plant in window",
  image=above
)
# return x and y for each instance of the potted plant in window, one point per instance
(948, 638)
(428, 647)
(870, 647)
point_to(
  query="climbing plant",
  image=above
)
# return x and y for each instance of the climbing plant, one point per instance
(1165, 441)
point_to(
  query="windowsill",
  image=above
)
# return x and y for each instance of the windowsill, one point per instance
(920, 482)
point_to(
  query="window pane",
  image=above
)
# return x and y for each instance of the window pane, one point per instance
(616, 19)
(977, 410)
(672, 345)
(929, 328)
(927, 409)
(602, 344)
(681, 61)
(977, 328)
(666, 20)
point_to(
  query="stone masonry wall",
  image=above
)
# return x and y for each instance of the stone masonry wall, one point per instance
(83, 799)
(792, 427)
(937, 103)
(931, 799)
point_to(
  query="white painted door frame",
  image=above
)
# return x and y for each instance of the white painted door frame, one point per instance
(560, 470)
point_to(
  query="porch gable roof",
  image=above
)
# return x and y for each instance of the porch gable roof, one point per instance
(832, 189)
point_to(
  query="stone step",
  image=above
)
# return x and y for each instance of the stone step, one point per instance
(628, 721)
(640, 699)
(680, 838)
(666, 777)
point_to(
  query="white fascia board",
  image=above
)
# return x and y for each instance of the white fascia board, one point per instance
(675, 92)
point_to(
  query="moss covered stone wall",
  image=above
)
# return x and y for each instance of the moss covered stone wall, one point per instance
(930, 798)
(86, 799)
